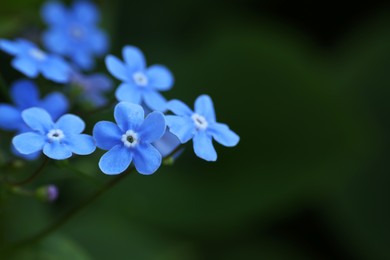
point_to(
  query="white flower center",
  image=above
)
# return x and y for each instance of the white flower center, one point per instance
(140, 79)
(76, 32)
(200, 122)
(130, 139)
(55, 135)
(37, 54)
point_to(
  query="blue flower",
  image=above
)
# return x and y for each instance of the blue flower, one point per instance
(92, 87)
(200, 126)
(140, 84)
(57, 140)
(25, 94)
(73, 32)
(130, 140)
(167, 144)
(30, 60)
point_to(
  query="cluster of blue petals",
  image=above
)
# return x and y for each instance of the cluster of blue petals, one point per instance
(73, 32)
(141, 135)
(31, 61)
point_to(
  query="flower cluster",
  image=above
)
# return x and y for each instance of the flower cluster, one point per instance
(147, 127)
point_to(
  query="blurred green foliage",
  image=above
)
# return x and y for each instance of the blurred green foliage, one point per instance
(309, 179)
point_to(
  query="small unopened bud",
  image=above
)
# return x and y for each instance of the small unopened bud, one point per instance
(47, 193)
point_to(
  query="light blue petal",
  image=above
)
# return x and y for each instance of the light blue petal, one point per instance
(100, 82)
(204, 106)
(134, 58)
(83, 59)
(129, 93)
(116, 68)
(99, 42)
(179, 108)
(159, 77)
(9, 47)
(152, 128)
(57, 151)
(28, 157)
(10, 117)
(54, 13)
(86, 12)
(56, 41)
(147, 159)
(70, 124)
(155, 100)
(28, 143)
(56, 104)
(107, 135)
(128, 116)
(182, 127)
(167, 143)
(56, 69)
(38, 119)
(25, 93)
(27, 66)
(116, 160)
(223, 135)
(81, 144)
(203, 146)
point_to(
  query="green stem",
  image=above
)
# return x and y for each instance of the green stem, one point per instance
(68, 215)
(32, 176)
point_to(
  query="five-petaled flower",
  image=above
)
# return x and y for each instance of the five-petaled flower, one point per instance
(141, 84)
(57, 140)
(129, 140)
(200, 126)
(73, 32)
(30, 60)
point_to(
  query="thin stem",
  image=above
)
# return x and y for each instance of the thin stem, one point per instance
(68, 215)
(32, 176)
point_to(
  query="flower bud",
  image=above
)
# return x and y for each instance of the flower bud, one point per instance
(47, 193)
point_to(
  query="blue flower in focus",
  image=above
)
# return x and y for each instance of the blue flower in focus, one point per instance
(25, 94)
(93, 87)
(73, 32)
(30, 60)
(57, 140)
(129, 140)
(141, 84)
(200, 126)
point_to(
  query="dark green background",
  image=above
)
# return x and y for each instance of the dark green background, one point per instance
(307, 88)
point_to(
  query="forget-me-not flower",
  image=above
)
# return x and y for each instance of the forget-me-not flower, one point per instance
(25, 94)
(73, 32)
(30, 60)
(92, 87)
(200, 126)
(58, 140)
(129, 140)
(141, 84)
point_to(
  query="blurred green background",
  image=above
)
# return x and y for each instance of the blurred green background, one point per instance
(306, 86)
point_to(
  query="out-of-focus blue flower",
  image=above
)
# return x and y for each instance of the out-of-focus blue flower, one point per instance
(73, 32)
(93, 87)
(141, 84)
(130, 140)
(57, 140)
(200, 126)
(30, 60)
(25, 94)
